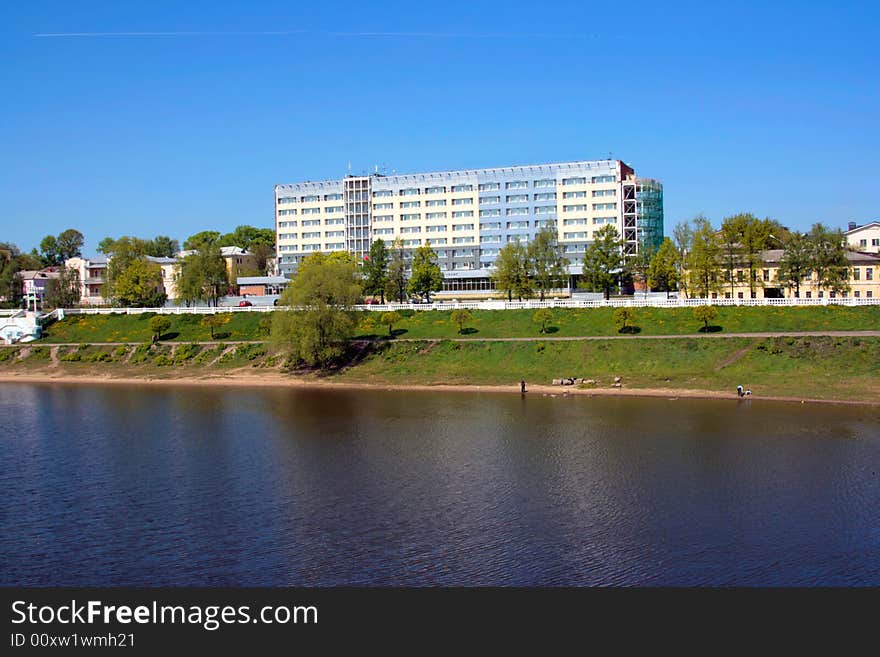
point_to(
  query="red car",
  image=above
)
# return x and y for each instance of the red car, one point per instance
(244, 303)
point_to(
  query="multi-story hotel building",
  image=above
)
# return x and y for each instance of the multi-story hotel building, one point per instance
(468, 216)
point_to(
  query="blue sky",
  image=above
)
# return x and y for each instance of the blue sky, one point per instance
(768, 107)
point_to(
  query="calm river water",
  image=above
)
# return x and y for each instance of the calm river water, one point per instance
(184, 486)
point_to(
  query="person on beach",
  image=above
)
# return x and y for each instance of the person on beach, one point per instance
(522, 386)
(739, 391)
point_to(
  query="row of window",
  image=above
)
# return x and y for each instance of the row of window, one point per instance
(493, 186)
(311, 198)
(583, 207)
(874, 242)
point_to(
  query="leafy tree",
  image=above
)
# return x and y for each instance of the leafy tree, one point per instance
(623, 316)
(663, 271)
(461, 316)
(796, 263)
(512, 271)
(683, 239)
(13, 261)
(390, 318)
(163, 246)
(640, 264)
(395, 287)
(730, 248)
(214, 321)
(265, 324)
(69, 244)
(158, 325)
(829, 260)
(603, 261)
(704, 259)
(545, 262)
(49, 250)
(246, 237)
(376, 269)
(426, 276)
(744, 239)
(262, 254)
(199, 239)
(139, 284)
(105, 246)
(64, 291)
(542, 316)
(705, 314)
(202, 276)
(323, 294)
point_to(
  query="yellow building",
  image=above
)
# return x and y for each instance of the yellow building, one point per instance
(864, 238)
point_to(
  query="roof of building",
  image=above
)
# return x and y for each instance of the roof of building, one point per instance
(225, 251)
(262, 280)
(37, 274)
(771, 256)
(870, 224)
(162, 260)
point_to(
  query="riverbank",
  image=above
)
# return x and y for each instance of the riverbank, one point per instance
(827, 368)
(251, 380)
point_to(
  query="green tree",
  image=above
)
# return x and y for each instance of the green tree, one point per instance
(730, 248)
(545, 261)
(395, 287)
(245, 236)
(214, 321)
(199, 239)
(705, 314)
(390, 318)
(511, 272)
(542, 316)
(663, 271)
(426, 276)
(202, 276)
(13, 261)
(829, 260)
(163, 246)
(603, 261)
(69, 244)
(704, 263)
(376, 269)
(158, 325)
(623, 316)
(138, 285)
(461, 316)
(265, 324)
(744, 238)
(639, 265)
(319, 327)
(106, 245)
(49, 251)
(64, 291)
(683, 239)
(796, 264)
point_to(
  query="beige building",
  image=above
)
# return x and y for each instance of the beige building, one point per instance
(93, 276)
(864, 238)
(864, 280)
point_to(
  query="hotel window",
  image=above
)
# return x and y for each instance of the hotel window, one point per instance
(311, 222)
(580, 235)
(489, 187)
(383, 206)
(411, 229)
(462, 201)
(544, 184)
(766, 275)
(333, 197)
(311, 198)
(456, 227)
(491, 213)
(545, 223)
(436, 203)
(334, 222)
(383, 231)
(545, 209)
(410, 204)
(604, 192)
(604, 206)
(378, 219)
(435, 190)
(435, 229)
(287, 236)
(856, 273)
(518, 198)
(574, 181)
(284, 200)
(435, 240)
(574, 208)
(546, 196)
(382, 193)
(517, 184)
(574, 248)
(604, 220)
(285, 247)
(513, 212)
(490, 238)
(285, 213)
(287, 224)
(411, 191)
(410, 217)
(462, 240)
(334, 246)
(462, 188)
(485, 200)
(412, 242)
(311, 236)
(334, 209)
(517, 224)
(441, 254)
(490, 252)
(522, 239)
(575, 222)
(334, 233)
(435, 215)
(574, 194)
(311, 211)
(491, 226)
(604, 179)
(462, 214)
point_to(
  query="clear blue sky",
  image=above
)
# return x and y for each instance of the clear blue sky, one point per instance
(769, 107)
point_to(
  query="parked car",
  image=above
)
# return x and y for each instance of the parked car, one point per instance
(244, 303)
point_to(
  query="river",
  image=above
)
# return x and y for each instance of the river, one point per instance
(135, 485)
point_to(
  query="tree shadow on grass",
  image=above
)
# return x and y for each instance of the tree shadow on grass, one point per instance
(397, 332)
(221, 335)
(551, 329)
(170, 336)
(468, 331)
(630, 330)
(710, 329)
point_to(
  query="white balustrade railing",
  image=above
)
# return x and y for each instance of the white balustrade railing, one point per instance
(495, 304)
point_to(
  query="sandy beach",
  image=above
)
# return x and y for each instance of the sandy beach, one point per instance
(278, 380)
